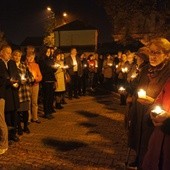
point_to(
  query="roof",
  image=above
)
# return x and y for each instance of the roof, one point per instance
(35, 41)
(75, 25)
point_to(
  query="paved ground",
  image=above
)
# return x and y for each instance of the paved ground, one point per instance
(88, 134)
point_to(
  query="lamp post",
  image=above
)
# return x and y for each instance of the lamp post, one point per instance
(64, 17)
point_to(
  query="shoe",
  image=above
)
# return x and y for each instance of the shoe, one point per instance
(36, 121)
(76, 97)
(26, 130)
(20, 131)
(53, 110)
(14, 138)
(58, 106)
(2, 151)
(49, 117)
(63, 102)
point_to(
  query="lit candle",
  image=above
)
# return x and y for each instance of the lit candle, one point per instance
(109, 64)
(133, 75)
(15, 85)
(125, 70)
(121, 89)
(116, 66)
(142, 93)
(56, 65)
(157, 110)
(66, 66)
(22, 77)
(85, 65)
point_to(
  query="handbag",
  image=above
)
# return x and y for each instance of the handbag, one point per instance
(67, 77)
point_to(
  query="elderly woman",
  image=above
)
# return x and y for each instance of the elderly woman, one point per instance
(152, 82)
(158, 153)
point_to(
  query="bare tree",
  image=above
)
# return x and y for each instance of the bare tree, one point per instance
(130, 18)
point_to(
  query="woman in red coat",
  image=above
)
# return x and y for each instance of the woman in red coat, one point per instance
(158, 153)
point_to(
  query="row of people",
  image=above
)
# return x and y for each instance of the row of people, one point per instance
(147, 97)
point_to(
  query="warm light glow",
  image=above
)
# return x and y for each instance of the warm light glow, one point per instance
(121, 89)
(110, 64)
(125, 70)
(157, 110)
(133, 75)
(49, 8)
(116, 66)
(66, 66)
(56, 65)
(64, 14)
(85, 65)
(142, 93)
(22, 77)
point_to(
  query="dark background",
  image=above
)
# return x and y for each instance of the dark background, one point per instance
(22, 18)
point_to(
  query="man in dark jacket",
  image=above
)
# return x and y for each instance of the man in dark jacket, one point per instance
(74, 69)
(3, 126)
(12, 81)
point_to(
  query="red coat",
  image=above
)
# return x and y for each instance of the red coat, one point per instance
(158, 154)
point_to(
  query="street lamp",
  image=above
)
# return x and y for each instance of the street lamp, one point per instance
(49, 8)
(64, 14)
(64, 17)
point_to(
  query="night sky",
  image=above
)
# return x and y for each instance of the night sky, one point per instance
(22, 18)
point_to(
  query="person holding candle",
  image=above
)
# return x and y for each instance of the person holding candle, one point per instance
(12, 83)
(24, 92)
(91, 71)
(3, 125)
(60, 79)
(108, 70)
(35, 71)
(48, 82)
(152, 80)
(82, 88)
(158, 154)
(74, 70)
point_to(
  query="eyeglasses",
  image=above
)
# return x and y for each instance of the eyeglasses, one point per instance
(155, 52)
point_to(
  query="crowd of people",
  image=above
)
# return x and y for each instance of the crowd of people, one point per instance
(52, 76)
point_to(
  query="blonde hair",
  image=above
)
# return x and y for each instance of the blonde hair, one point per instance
(162, 43)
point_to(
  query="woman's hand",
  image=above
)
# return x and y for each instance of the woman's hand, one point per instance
(159, 119)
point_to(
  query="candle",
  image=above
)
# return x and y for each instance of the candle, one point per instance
(121, 90)
(142, 93)
(109, 64)
(116, 66)
(157, 110)
(133, 75)
(56, 65)
(96, 65)
(125, 70)
(15, 85)
(85, 65)
(66, 66)
(22, 77)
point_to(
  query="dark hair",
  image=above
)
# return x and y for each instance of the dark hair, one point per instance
(57, 52)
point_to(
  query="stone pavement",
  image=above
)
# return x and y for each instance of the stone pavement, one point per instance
(88, 134)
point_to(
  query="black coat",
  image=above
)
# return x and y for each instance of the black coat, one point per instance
(69, 62)
(9, 92)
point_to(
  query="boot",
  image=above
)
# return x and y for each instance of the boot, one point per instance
(26, 129)
(58, 106)
(20, 130)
